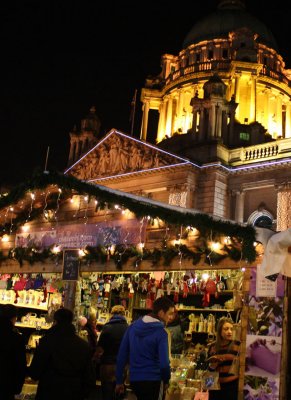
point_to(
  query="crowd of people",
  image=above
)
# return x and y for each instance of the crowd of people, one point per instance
(66, 366)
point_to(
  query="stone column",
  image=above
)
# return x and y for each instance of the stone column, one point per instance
(279, 116)
(83, 148)
(145, 117)
(169, 117)
(201, 126)
(266, 109)
(253, 101)
(288, 121)
(78, 150)
(161, 126)
(72, 151)
(237, 90)
(217, 126)
(180, 105)
(194, 121)
(224, 134)
(239, 206)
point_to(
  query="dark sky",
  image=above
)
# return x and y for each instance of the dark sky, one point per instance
(61, 57)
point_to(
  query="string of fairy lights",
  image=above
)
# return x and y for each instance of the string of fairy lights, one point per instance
(219, 238)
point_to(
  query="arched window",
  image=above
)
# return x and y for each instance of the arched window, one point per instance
(261, 218)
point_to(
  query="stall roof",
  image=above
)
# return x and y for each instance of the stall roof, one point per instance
(28, 200)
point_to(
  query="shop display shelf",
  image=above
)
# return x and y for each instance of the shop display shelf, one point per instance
(43, 308)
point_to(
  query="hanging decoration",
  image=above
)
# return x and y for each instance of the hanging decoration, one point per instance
(242, 236)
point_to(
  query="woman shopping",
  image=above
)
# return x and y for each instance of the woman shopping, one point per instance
(221, 355)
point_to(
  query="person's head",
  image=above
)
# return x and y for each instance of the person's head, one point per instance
(164, 308)
(118, 310)
(63, 316)
(9, 312)
(175, 317)
(224, 330)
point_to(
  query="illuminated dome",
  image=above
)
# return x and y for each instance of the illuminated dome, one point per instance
(229, 16)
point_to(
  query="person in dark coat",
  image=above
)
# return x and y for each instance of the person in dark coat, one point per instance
(12, 355)
(62, 362)
(108, 346)
(176, 328)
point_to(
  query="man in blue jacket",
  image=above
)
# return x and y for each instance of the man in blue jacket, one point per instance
(145, 347)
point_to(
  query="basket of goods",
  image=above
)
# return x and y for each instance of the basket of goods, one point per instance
(173, 391)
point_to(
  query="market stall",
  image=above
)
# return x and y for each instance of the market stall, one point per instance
(130, 251)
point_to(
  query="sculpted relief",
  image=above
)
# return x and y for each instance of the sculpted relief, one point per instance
(118, 155)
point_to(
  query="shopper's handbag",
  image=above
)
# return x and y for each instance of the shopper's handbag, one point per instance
(201, 396)
(210, 380)
(236, 329)
(234, 368)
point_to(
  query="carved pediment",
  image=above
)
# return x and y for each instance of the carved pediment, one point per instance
(118, 154)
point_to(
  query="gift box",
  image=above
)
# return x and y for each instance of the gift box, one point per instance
(266, 359)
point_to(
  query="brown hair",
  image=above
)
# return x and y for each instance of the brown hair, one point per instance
(221, 322)
(118, 310)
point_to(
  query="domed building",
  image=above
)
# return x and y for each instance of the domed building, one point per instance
(223, 136)
(243, 53)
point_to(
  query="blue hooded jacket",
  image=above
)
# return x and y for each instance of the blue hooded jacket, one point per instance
(145, 347)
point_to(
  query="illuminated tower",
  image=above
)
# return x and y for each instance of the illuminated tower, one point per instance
(239, 50)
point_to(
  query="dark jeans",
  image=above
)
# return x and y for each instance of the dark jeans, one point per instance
(228, 391)
(107, 377)
(108, 390)
(148, 390)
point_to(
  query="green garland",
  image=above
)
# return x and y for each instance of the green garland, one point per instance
(207, 225)
(121, 255)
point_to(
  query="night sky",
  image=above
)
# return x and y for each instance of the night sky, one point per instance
(59, 58)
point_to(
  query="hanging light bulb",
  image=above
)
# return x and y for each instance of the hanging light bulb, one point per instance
(56, 249)
(25, 228)
(81, 253)
(5, 238)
